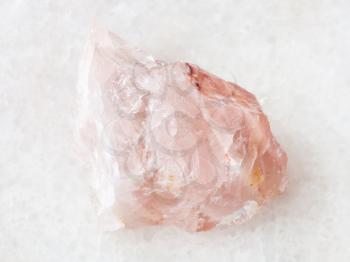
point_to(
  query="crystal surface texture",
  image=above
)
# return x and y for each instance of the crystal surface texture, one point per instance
(172, 144)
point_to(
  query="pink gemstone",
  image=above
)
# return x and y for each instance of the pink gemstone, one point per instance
(171, 143)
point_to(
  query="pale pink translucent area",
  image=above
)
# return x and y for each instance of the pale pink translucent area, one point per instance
(172, 144)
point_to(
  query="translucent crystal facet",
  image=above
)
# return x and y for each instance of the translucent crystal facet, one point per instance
(171, 143)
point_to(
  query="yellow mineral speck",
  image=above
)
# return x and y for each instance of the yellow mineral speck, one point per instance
(170, 183)
(256, 177)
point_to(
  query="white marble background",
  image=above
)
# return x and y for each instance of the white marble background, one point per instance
(294, 55)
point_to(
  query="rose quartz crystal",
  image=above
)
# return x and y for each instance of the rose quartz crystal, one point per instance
(171, 143)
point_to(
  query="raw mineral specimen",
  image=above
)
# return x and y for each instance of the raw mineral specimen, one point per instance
(171, 143)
